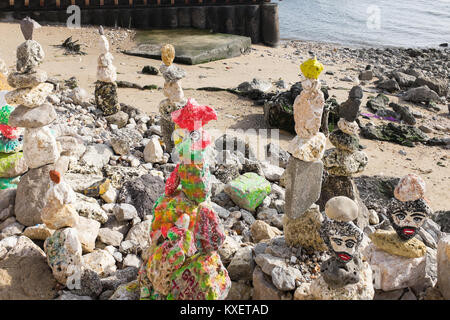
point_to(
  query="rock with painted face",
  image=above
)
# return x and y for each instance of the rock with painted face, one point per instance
(407, 217)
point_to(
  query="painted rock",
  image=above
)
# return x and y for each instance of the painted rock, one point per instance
(8, 183)
(29, 97)
(311, 68)
(12, 165)
(203, 277)
(63, 251)
(308, 108)
(106, 97)
(195, 181)
(32, 118)
(209, 234)
(391, 243)
(5, 112)
(169, 257)
(8, 132)
(39, 147)
(410, 188)
(248, 190)
(10, 146)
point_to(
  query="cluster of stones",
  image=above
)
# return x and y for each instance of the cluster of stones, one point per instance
(302, 218)
(106, 96)
(345, 159)
(400, 259)
(12, 163)
(182, 262)
(173, 92)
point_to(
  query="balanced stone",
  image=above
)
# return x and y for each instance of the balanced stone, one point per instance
(304, 180)
(347, 127)
(344, 141)
(40, 147)
(356, 93)
(248, 190)
(391, 243)
(341, 209)
(309, 149)
(343, 163)
(410, 188)
(172, 73)
(27, 80)
(32, 118)
(29, 55)
(29, 97)
(106, 97)
(304, 231)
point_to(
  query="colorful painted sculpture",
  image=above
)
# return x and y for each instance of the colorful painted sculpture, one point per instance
(186, 232)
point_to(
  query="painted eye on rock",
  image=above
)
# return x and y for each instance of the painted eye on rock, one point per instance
(337, 241)
(194, 135)
(349, 244)
(400, 216)
(417, 219)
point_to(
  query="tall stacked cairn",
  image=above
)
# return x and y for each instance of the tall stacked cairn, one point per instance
(182, 262)
(344, 276)
(173, 92)
(12, 163)
(302, 219)
(33, 113)
(399, 260)
(106, 97)
(63, 247)
(345, 159)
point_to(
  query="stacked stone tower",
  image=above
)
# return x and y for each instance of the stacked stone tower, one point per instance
(33, 113)
(302, 220)
(175, 99)
(106, 96)
(345, 159)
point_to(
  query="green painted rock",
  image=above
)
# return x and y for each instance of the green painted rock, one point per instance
(248, 190)
(10, 145)
(5, 111)
(8, 183)
(12, 165)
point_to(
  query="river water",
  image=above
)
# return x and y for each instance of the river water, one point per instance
(399, 23)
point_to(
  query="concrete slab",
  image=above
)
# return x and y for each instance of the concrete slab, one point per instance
(192, 46)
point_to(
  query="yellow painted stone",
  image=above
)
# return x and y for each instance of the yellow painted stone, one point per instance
(311, 68)
(167, 54)
(390, 242)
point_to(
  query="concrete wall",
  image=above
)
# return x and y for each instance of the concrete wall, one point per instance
(258, 21)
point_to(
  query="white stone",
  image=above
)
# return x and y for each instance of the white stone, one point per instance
(131, 260)
(110, 195)
(101, 262)
(153, 151)
(391, 272)
(87, 233)
(105, 60)
(103, 44)
(308, 149)
(29, 97)
(39, 147)
(107, 74)
(347, 127)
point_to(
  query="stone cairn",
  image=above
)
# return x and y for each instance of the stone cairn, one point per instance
(12, 163)
(345, 159)
(302, 219)
(33, 113)
(62, 247)
(344, 276)
(175, 99)
(182, 262)
(396, 256)
(106, 97)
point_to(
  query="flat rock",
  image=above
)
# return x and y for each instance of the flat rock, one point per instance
(97, 155)
(27, 80)
(192, 46)
(32, 118)
(29, 97)
(300, 195)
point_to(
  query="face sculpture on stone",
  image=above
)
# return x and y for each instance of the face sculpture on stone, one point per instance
(407, 217)
(342, 239)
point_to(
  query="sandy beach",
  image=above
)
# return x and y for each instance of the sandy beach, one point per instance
(237, 112)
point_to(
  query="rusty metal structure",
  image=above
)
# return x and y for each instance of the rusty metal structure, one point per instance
(257, 19)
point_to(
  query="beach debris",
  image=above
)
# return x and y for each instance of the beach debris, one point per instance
(72, 47)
